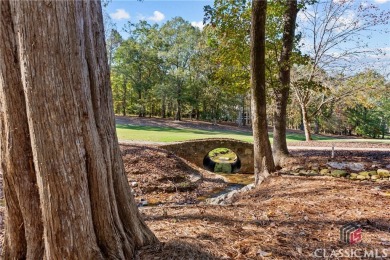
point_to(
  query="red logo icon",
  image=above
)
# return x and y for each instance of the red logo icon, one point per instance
(351, 234)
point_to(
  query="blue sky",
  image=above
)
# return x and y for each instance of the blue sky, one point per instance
(373, 45)
(159, 11)
(156, 11)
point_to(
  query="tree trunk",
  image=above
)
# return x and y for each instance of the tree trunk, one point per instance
(66, 191)
(141, 103)
(204, 109)
(214, 116)
(263, 161)
(306, 123)
(178, 110)
(279, 145)
(163, 107)
(170, 109)
(243, 111)
(178, 101)
(317, 127)
(280, 150)
(23, 230)
(110, 49)
(124, 101)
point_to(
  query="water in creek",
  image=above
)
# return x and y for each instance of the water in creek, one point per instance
(235, 181)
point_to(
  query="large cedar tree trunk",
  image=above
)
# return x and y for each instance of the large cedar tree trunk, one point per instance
(66, 192)
(279, 145)
(263, 161)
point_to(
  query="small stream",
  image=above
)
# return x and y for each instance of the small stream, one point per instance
(235, 181)
(229, 188)
(225, 163)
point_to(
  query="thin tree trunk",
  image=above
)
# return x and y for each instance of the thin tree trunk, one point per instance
(170, 109)
(279, 145)
(317, 127)
(56, 105)
(280, 150)
(263, 161)
(301, 126)
(163, 107)
(141, 109)
(306, 123)
(214, 111)
(178, 101)
(178, 110)
(124, 100)
(204, 109)
(243, 111)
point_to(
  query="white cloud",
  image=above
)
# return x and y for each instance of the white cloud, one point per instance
(381, 1)
(157, 16)
(141, 17)
(120, 14)
(198, 24)
(347, 20)
(340, 2)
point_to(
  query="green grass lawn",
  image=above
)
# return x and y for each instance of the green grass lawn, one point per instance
(169, 134)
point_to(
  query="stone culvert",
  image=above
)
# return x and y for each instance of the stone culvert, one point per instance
(195, 151)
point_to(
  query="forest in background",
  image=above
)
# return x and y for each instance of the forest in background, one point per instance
(176, 70)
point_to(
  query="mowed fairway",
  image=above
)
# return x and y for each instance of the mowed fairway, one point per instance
(165, 130)
(170, 134)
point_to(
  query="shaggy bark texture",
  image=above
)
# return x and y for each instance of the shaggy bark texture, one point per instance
(65, 188)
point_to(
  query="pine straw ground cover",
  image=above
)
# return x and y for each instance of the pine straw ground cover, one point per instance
(289, 217)
(162, 178)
